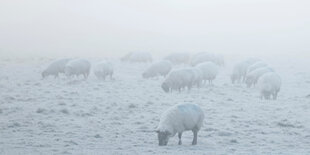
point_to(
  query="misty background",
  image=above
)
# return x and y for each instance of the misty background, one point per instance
(54, 28)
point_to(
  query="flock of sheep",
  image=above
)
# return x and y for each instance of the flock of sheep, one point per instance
(254, 71)
(197, 70)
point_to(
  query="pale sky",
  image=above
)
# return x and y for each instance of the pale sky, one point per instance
(114, 27)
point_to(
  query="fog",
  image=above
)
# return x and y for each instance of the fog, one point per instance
(101, 76)
(112, 28)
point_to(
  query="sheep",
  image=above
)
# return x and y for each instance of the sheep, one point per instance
(178, 58)
(177, 119)
(207, 57)
(137, 57)
(209, 71)
(252, 77)
(56, 67)
(269, 84)
(104, 69)
(256, 65)
(178, 79)
(240, 70)
(78, 67)
(161, 68)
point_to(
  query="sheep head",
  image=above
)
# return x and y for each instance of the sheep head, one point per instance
(163, 137)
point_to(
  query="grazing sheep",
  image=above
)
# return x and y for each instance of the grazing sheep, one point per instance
(269, 84)
(104, 69)
(137, 57)
(240, 70)
(238, 73)
(77, 67)
(161, 68)
(252, 77)
(256, 65)
(177, 119)
(207, 57)
(209, 71)
(178, 80)
(55, 68)
(178, 58)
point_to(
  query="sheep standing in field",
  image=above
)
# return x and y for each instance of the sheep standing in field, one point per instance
(177, 119)
(255, 66)
(161, 68)
(207, 57)
(240, 70)
(269, 85)
(178, 80)
(137, 57)
(77, 67)
(55, 68)
(209, 71)
(252, 77)
(178, 58)
(104, 69)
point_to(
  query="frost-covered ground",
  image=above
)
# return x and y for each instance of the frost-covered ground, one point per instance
(71, 116)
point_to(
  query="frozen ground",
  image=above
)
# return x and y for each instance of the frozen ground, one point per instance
(63, 116)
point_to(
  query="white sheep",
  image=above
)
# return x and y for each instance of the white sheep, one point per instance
(55, 68)
(178, 58)
(252, 77)
(178, 79)
(207, 57)
(269, 84)
(104, 69)
(77, 67)
(240, 70)
(256, 65)
(177, 119)
(137, 57)
(209, 71)
(160, 68)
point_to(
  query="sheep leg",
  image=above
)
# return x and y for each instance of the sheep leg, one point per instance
(195, 137)
(180, 136)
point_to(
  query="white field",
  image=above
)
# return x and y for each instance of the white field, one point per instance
(74, 116)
